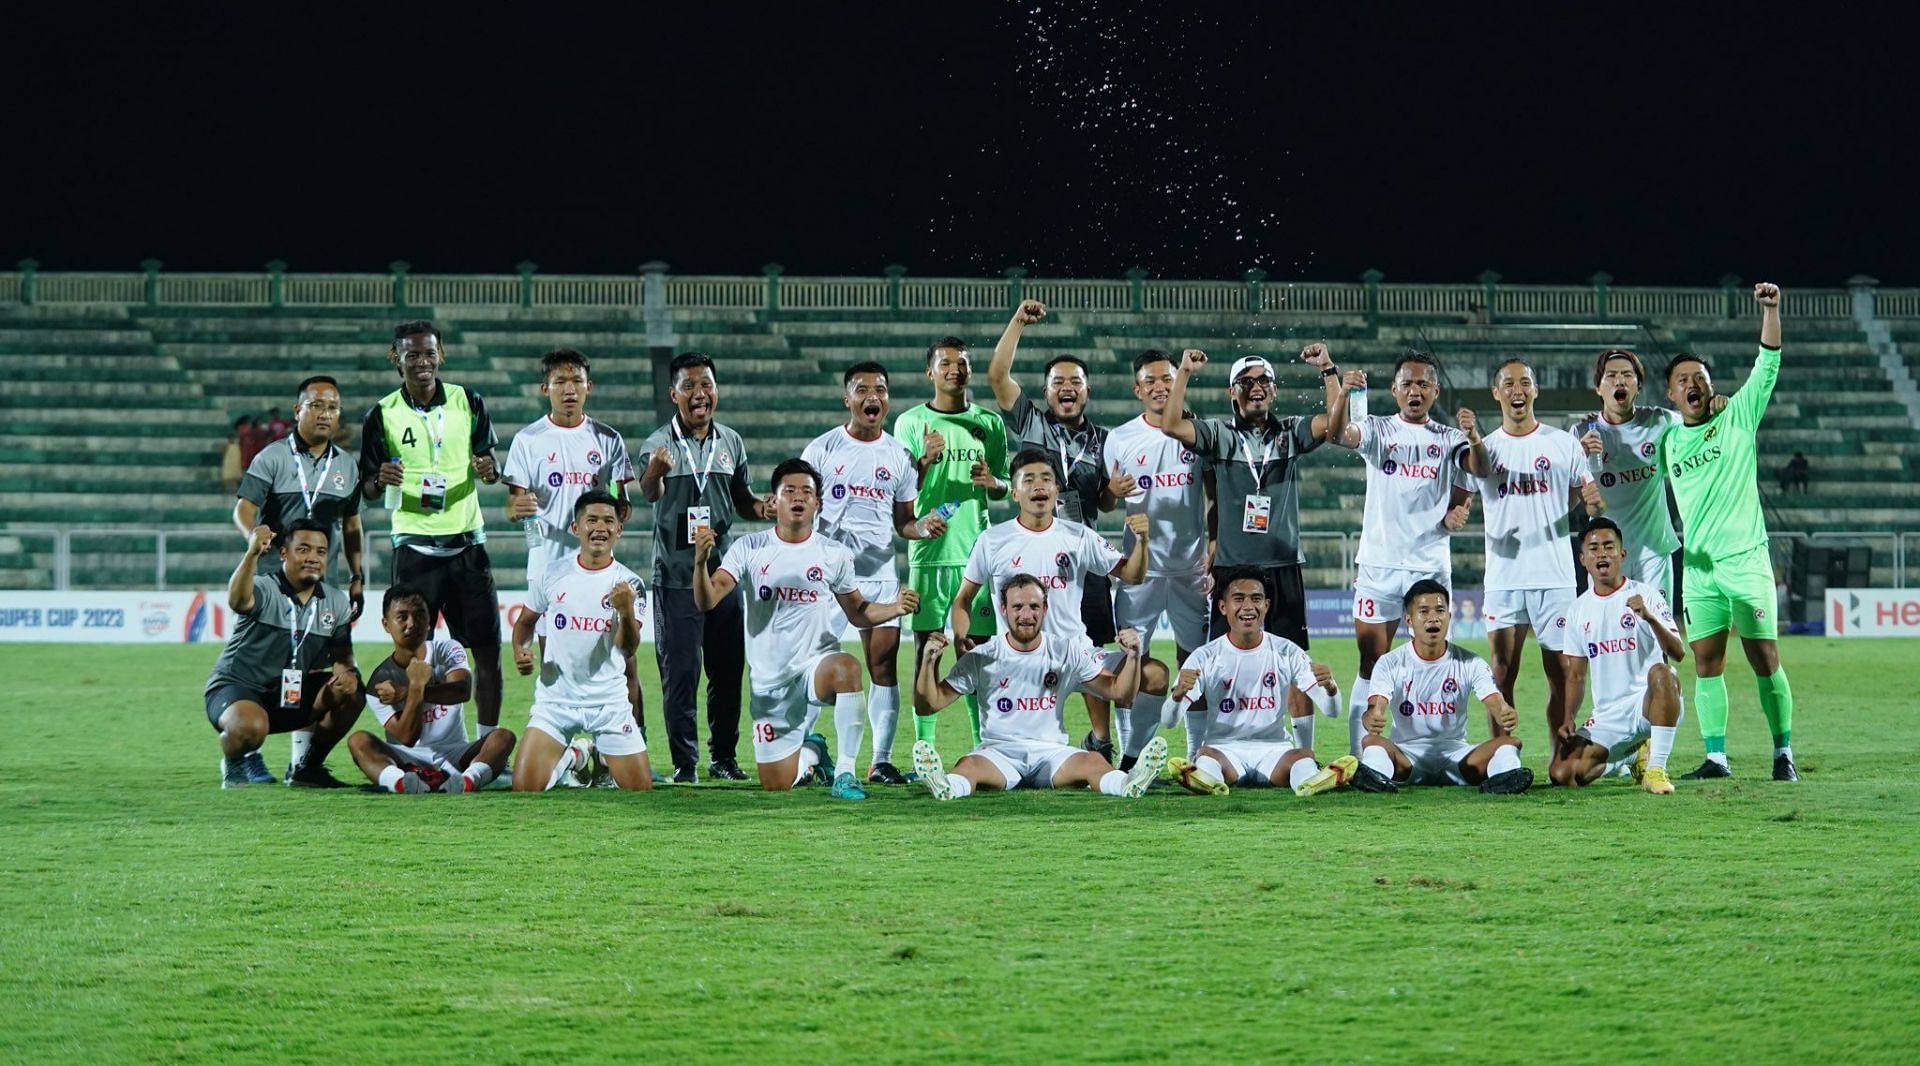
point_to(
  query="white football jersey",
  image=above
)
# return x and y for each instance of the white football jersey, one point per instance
(443, 728)
(1023, 694)
(860, 482)
(559, 465)
(1529, 535)
(1411, 473)
(793, 616)
(1245, 690)
(1629, 475)
(1170, 492)
(1061, 556)
(1617, 645)
(1428, 701)
(581, 666)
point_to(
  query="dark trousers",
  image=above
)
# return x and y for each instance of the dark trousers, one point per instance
(1286, 604)
(682, 633)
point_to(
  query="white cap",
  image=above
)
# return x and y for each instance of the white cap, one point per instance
(1246, 363)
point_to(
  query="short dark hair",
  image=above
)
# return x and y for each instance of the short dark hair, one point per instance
(948, 341)
(317, 379)
(1047, 370)
(687, 361)
(1026, 457)
(1427, 586)
(868, 367)
(302, 525)
(243, 420)
(789, 467)
(621, 507)
(1419, 358)
(400, 592)
(1510, 361)
(1148, 357)
(1019, 581)
(1230, 574)
(560, 357)
(1686, 357)
(1601, 361)
(409, 328)
(1603, 523)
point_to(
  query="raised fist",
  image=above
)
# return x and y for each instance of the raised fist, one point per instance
(1324, 675)
(1317, 356)
(1031, 312)
(621, 598)
(1637, 604)
(1767, 294)
(1189, 677)
(260, 540)
(1137, 524)
(523, 660)
(1468, 424)
(660, 463)
(935, 646)
(1128, 639)
(1192, 360)
(419, 672)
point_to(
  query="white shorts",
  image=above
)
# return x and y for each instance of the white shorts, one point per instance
(1183, 597)
(611, 724)
(1621, 735)
(1654, 568)
(1543, 609)
(1435, 762)
(1027, 764)
(1252, 761)
(880, 590)
(782, 718)
(421, 755)
(1379, 592)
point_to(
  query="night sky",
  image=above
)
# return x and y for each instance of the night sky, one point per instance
(1076, 139)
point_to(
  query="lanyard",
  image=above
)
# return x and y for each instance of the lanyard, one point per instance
(436, 431)
(699, 477)
(1061, 436)
(294, 635)
(1266, 455)
(320, 474)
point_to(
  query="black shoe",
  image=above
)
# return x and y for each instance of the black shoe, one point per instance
(1511, 783)
(885, 773)
(1125, 765)
(312, 775)
(725, 770)
(1102, 748)
(684, 775)
(1368, 779)
(1783, 768)
(1710, 768)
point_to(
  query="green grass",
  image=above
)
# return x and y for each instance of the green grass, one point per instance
(145, 915)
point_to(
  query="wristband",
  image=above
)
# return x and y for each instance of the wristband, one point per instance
(1330, 372)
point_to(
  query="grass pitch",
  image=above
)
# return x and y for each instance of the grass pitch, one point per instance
(145, 915)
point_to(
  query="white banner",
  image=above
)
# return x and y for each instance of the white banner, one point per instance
(113, 617)
(1873, 612)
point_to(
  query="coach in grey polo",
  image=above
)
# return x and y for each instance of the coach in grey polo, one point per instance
(304, 475)
(696, 474)
(1254, 459)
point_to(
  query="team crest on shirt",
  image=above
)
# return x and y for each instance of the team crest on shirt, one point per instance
(1450, 685)
(339, 480)
(1543, 464)
(1186, 455)
(1052, 678)
(1226, 705)
(1759, 613)
(593, 458)
(556, 479)
(1063, 561)
(1628, 621)
(1268, 680)
(1433, 451)
(766, 592)
(1646, 450)
(881, 473)
(1004, 705)
(814, 573)
(1711, 430)
(723, 462)
(326, 619)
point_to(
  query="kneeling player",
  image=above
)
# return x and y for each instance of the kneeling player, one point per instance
(417, 693)
(1424, 682)
(1023, 678)
(1249, 682)
(593, 606)
(1622, 631)
(801, 592)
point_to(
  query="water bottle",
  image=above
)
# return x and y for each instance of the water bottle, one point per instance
(945, 510)
(392, 498)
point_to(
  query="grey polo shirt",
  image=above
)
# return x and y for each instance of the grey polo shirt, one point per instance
(273, 484)
(262, 641)
(1275, 448)
(1081, 455)
(722, 457)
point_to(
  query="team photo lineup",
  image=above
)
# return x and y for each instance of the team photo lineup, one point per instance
(1622, 544)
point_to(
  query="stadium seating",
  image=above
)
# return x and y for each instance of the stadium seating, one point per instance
(116, 416)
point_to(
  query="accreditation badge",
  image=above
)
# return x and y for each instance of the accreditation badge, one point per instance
(698, 518)
(1258, 514)
(290, 682)
(433, 492)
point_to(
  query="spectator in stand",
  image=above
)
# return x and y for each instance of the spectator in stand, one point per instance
(230, 467)
(277, 425)
(253, 438)
(1794, 473)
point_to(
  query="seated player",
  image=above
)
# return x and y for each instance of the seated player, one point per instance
(1023, 678)
(418, 693)
(801, 592)
(1622, 632)
(1247, 683)
(289, 664)
(593, 607)
(1425, 682)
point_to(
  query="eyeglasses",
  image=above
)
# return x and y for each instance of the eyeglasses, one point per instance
(1248, 384)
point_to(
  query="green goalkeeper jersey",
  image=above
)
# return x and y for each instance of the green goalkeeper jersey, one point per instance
(972, 436)
(1714, 470)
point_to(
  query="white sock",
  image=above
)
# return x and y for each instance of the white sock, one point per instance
(883, 714)
(480, 774)
(1375, 758)
(1113, 783)
(1196, 722)
(1120, 728)
(481, 731)
(1144, 716)
(1787, 751)
(1210, 766)
(1303, 731)
(1356, 709)
(1505, 758)
(805, 763)
(849, 725)
(1300, 771)
(962, 788)
(390, 777)
(1661, 745)
(1717, 756)
(300, 741)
